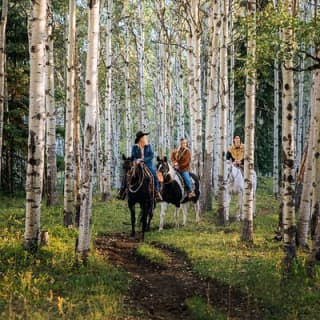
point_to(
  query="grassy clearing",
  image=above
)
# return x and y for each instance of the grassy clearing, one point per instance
(48, 286)
(203, 311)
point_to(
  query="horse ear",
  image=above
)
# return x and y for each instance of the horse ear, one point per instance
(165, 159)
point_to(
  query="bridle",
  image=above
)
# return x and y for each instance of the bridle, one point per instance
(164, 169)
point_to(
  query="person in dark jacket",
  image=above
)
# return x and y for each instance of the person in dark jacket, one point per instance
(142, 151)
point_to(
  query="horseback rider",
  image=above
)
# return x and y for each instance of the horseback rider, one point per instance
(181, 159)
(236, 152)
(142, 152)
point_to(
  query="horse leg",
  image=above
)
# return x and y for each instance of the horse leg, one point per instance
(185, 213)
(176, 216)
(228, 199)
(163, 209)
(150, 216)
(197, 210)
(144, 215)
(133, 219)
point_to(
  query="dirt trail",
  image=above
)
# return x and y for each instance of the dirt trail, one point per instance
(159, 292)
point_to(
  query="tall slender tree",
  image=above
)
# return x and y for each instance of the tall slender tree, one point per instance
(250, 108)
(106, 193)
(91, 88)
(3, 24)
(69, 123)
(211, 108)
(223, 210)
(51, 115)
(288, 141)
(36, 137)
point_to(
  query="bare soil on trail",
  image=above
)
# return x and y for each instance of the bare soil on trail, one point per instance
(160, 291)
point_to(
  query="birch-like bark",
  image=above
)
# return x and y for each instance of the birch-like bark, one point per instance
(140, 51)
(91, 89)
(37, 118)
(51, 116)
(180, 102)
(211, 108)
(69, 123)
(223, 209)
(276, 126)
(232, 77)
(196, 114)
(106, 193)
(128, 120)
(250, 108)
(288, 145)
(315, 254)
(3, 25)
(77, 143)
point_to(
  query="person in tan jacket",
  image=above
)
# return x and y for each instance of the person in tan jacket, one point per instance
(181, 159)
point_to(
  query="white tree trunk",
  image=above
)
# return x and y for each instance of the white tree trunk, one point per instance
(3, 24)
(276, 125)
(51, 117)
(140, 50)
(36, 125)
(77, 143)
(91, 90)
(316, 168)
(69, 123)
(211, 108)
(128, 120)
(196, 114)
(106, 193)
(223, 210)
(288, 145)
(248, 196)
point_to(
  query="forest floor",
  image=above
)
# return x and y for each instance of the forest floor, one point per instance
(160, 290)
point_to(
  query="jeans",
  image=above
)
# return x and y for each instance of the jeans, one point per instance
(187, 179)
(156, 181)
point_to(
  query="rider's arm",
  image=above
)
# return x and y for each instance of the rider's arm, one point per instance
(135, 152)
(229, 156)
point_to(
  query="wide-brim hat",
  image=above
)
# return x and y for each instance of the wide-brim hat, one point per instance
(139, 135)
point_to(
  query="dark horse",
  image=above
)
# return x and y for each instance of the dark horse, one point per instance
(140, 189)
(173, 191)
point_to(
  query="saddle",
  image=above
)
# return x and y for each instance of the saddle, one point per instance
(182, 183)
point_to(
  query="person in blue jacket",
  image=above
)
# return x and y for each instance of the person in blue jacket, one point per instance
(142, 151)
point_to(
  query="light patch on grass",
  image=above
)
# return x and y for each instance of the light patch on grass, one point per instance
(152, 254)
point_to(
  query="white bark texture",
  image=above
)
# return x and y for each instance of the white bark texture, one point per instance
(106, 192)
(51, 116)
(223, 210)
(250, 110)
(128, 120)
(91, 89)
(36, 125)
(276, 125)
(315, 255)
(211, 108)
(69, 123)
(3, 25)
(288, 143)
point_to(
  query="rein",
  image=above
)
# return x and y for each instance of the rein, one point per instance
(131, 174)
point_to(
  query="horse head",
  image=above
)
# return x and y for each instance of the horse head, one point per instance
(127, 163)
(165, 169)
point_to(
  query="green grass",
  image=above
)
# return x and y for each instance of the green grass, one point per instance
(49, 286)
(152, 254)
(203, 311)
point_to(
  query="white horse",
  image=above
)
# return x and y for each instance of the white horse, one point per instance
(235, 186)
(173, 191)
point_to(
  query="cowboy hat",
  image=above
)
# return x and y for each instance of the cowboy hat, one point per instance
(139, 135)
